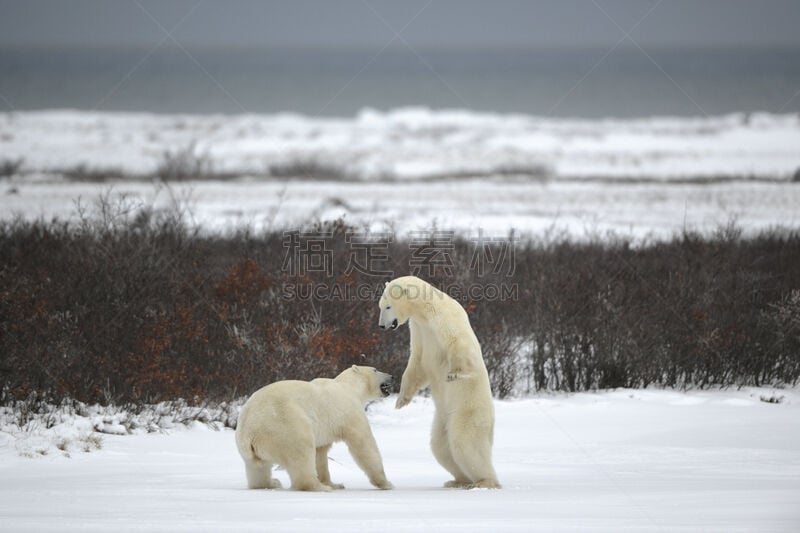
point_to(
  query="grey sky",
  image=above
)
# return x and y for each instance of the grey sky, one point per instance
(420, 23)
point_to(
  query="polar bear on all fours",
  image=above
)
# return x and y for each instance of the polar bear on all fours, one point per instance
(294, 424)
(445, 355)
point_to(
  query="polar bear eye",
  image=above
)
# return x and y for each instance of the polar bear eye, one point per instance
(388, 307)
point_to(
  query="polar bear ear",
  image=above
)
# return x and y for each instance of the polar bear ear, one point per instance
(355, 368)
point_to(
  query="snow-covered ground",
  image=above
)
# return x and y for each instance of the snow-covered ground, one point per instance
(624, 460)
(411, 169)
(411, 144)
(578, 209)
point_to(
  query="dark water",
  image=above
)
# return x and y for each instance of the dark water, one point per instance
(627, 83)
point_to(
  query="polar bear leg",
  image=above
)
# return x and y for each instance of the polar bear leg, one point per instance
(440, 446)
(303, 472)
(322, 468)
(298, 455)
(259, 475)
(257, 466)
(472, 452)
(362, 446)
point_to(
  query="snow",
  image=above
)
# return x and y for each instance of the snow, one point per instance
(412, 144)
(579, 210)
(413, 168)
(622, 460)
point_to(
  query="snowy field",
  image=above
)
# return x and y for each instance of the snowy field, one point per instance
(624, 460)
(412, 144)
(411, 169)
(611, 461)
(580, 210)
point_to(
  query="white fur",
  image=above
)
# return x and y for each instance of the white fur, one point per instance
(294, 424)
(445, 355)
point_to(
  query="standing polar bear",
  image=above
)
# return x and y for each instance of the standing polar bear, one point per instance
(294, 424)
(446, 355)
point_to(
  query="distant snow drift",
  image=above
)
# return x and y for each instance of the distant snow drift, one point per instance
(411, 144)
(412, 169)
(468, 207)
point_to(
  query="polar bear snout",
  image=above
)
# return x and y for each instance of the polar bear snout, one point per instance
(387, 384)
(393, 324)
(388, 318)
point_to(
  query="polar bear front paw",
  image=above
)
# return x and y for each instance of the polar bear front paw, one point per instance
(402, 401)
(455, 374)
(334, 486)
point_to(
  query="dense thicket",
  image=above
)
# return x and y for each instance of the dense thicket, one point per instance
(134, 306)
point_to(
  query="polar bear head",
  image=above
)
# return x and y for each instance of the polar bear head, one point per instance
(370, 383)
(400, 297)
(394, 304)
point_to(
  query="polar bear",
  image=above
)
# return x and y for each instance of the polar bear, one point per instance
(446, 355)
(294, 424)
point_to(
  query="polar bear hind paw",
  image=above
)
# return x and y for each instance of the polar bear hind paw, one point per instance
(485, 484)
(313, 487)
(482, 484)
(334, 486)
(457, 484)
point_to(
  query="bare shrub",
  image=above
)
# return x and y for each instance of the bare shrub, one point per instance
(130, 307)
(184, 164)
(91, 442)
(84, 173)
(307, 169)
(11, 167)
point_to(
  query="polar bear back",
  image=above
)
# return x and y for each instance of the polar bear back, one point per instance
(322, 404)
